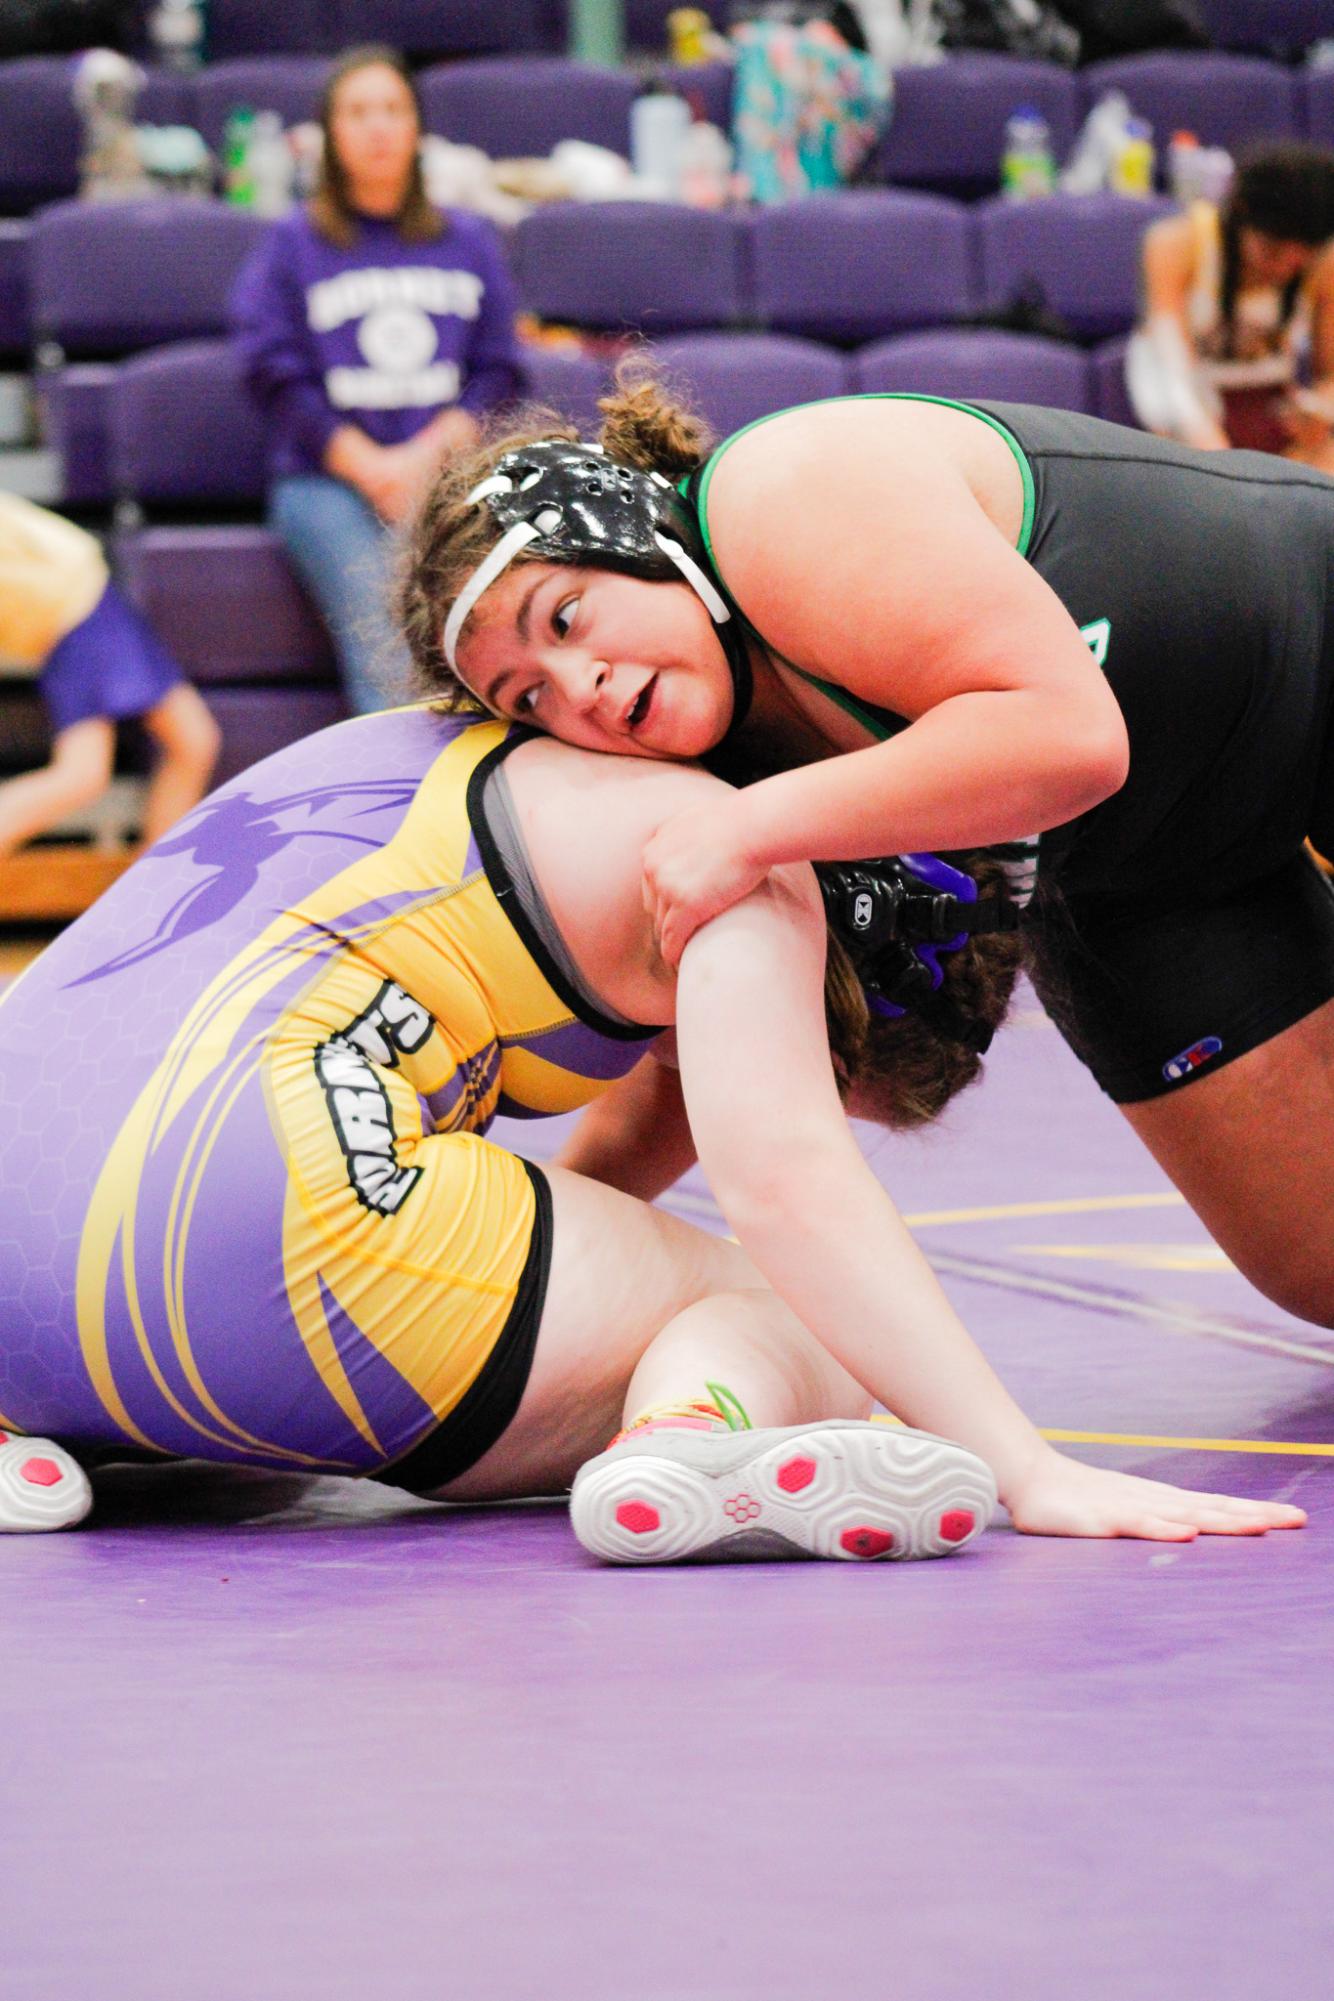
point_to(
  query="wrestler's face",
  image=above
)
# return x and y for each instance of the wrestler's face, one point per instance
(1274, 260)
(601, 660)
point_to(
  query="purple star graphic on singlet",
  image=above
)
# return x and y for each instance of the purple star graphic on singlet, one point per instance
(233, 836)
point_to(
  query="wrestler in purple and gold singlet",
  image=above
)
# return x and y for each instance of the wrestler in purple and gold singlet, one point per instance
(246, 1211)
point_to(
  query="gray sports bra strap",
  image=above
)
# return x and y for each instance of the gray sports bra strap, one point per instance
(502, 822)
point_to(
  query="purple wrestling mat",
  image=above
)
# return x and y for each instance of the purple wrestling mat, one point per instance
(311, 1740)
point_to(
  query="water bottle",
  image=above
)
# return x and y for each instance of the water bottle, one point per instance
(659, 123)
(237, 140)
(1028, 169)
(272, 167)
(176, 28)
(1183, 168)
(1132, 169)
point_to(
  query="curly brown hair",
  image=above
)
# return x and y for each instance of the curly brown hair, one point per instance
(904, 1071)
(642, 426)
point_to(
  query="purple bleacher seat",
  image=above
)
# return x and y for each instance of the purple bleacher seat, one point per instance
(706, 88)
(167, 98)
(968, 362)
(225, 601)
(732, 379)
(1083, 251)
(1268, 24)
(271, 27)
(111, 277)
(75, 406)
(184, 428)
(40, 133)
(566, 380)
(289, 85)
(850, 266)
(445, 27)
(1225, 100)
(648, 265)
(947, 127)
(1317, 91)
(646, 20)
(522, 106)
(257, 721)
(15, 302)
(1107, 365)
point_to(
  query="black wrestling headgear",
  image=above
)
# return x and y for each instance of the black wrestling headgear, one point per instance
(570, 503)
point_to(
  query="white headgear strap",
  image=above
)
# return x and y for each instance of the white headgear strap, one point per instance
(521, 534)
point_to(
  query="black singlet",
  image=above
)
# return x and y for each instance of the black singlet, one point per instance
(1202, 582)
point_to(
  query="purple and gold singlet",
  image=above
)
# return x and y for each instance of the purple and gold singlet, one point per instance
(246, 1211)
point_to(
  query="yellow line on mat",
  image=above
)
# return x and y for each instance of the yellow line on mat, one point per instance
(1175, 1444)
(1075, 1205)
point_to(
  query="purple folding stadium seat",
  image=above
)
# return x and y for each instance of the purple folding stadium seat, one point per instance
(289, 85)
(257, 721)
(271, 27)
(648, 265)
(1107, 366)
(646, 20)
(522, 106)
(732, 379)
(225, 601)
(184, 428)
(565, 380)
(40, 133)
(1225, 100)
(445, 27)
(167, 98)
(851, 266)
(1083, 252)
(75, 404)
(1267, 25)
(15, 302)
(107, 278)
(966, 362)
(1317, 92)
(706, 88)
(947, 129)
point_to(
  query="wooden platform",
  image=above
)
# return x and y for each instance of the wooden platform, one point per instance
(56, 882)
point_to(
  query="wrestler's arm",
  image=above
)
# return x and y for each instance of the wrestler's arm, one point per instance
(877, 568)
(636, 1136)
(749, 1012)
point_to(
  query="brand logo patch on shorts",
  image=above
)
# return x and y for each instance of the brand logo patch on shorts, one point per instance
(1192, 1059)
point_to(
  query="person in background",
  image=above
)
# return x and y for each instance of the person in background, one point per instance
(1238, 305)
(98, 663)
(376, 334)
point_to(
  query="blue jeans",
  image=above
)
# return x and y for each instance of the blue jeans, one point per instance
(343, 554)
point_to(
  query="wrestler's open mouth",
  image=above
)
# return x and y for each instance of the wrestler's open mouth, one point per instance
(642, 703)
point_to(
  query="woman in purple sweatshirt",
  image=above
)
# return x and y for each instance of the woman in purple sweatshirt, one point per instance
(376, 333)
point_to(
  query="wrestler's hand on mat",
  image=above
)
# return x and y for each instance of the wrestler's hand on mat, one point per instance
(1061, 1496)
(695, 865)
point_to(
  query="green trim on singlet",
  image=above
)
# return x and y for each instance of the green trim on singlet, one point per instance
(849, 703)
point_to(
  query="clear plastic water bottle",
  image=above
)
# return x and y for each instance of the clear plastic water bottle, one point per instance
(1028, 169)
(659, 124)
(272, 166)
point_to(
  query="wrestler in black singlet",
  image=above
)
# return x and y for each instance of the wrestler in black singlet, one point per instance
(1180, 923)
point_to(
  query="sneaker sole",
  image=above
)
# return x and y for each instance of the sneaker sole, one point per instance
(846, 1492)
(41, 1487)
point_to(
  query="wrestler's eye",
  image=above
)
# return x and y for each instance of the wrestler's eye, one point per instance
(564, 615)
(527, 701)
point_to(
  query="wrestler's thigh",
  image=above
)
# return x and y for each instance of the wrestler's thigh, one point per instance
(620, 1271)
(1252, 1150)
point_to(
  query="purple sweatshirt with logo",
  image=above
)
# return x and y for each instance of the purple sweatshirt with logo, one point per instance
(383, 335)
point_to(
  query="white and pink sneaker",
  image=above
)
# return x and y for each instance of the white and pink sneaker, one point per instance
(41, 1486)
(676, 1488)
